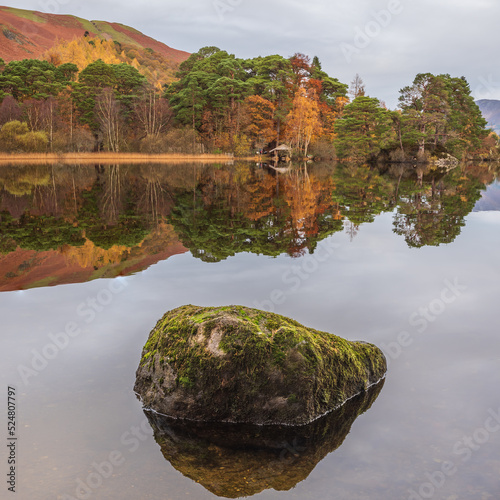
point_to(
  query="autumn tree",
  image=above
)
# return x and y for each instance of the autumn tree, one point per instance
(303, 121)
(357, 87)
(209, 96)
(123, 80)
(271, 77)
(109, 116)
(9, 110)
(301, 68)
(153, 112)
(82, 53)
(221, 96)
(9, 134)
(158, 69)
(15, 136)
(331, 95)
(258, 119)
(49, 118)
(32, 110)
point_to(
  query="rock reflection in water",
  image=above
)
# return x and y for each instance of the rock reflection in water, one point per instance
(234, 461)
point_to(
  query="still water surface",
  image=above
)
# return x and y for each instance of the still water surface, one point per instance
(415, 273)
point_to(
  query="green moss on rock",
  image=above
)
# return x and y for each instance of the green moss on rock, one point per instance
(237, 364)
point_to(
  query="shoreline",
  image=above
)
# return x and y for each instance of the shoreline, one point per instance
(104, 157)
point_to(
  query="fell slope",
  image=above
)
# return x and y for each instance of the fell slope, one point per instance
(26, 34)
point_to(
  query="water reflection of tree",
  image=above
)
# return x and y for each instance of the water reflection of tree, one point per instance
(309, 200)
(261, 212)
(291, 210)
(351, 229)
(362, 193)
(109, 212)
(30, 184)
(155, 196)
(30, 210)
(434, 213)
(220, 210)
(111, 201)
(40, 233)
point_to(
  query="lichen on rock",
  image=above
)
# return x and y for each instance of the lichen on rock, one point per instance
(237, 364)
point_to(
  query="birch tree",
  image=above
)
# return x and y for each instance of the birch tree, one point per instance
(109, 117)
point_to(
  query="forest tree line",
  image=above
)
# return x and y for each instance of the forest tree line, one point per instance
(220, 103)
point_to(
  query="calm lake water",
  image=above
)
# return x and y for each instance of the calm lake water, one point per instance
(404, 259)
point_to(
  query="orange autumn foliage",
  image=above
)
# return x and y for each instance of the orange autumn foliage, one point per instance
(259, 118)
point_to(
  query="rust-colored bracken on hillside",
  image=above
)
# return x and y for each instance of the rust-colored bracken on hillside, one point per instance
(26, 34)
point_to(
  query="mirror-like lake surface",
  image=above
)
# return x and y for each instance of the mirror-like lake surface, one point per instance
(92, 257)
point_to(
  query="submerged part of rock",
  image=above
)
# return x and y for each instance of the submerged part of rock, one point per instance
(236, 364)
(234, 460)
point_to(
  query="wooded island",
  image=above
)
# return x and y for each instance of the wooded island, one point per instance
(84, 98)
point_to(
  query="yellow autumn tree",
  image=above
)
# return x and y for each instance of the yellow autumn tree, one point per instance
(303, 122)
(82, 52)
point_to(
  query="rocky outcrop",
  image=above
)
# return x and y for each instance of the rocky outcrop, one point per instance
(448, 162)
(236, 364)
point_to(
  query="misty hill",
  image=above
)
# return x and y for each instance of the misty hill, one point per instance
(26, 34)
(490, 108)
(490, 199)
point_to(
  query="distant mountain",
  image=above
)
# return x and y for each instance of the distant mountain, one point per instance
(490, 108)
(27, 34)
(490, 200)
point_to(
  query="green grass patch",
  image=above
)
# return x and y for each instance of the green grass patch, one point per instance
(26, 14)
(117, 36)
(86, 24)
(49, 280)
(128, 28)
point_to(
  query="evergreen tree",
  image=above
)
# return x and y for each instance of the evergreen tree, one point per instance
(363, 130)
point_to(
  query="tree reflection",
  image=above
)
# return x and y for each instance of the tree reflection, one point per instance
(218, 210)
(434, 213)
(264, 212)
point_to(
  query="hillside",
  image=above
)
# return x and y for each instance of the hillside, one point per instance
(27, 34)
(490, 108)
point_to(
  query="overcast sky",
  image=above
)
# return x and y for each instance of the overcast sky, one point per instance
(386, 41)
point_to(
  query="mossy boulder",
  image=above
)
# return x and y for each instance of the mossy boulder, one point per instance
(236, 364)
